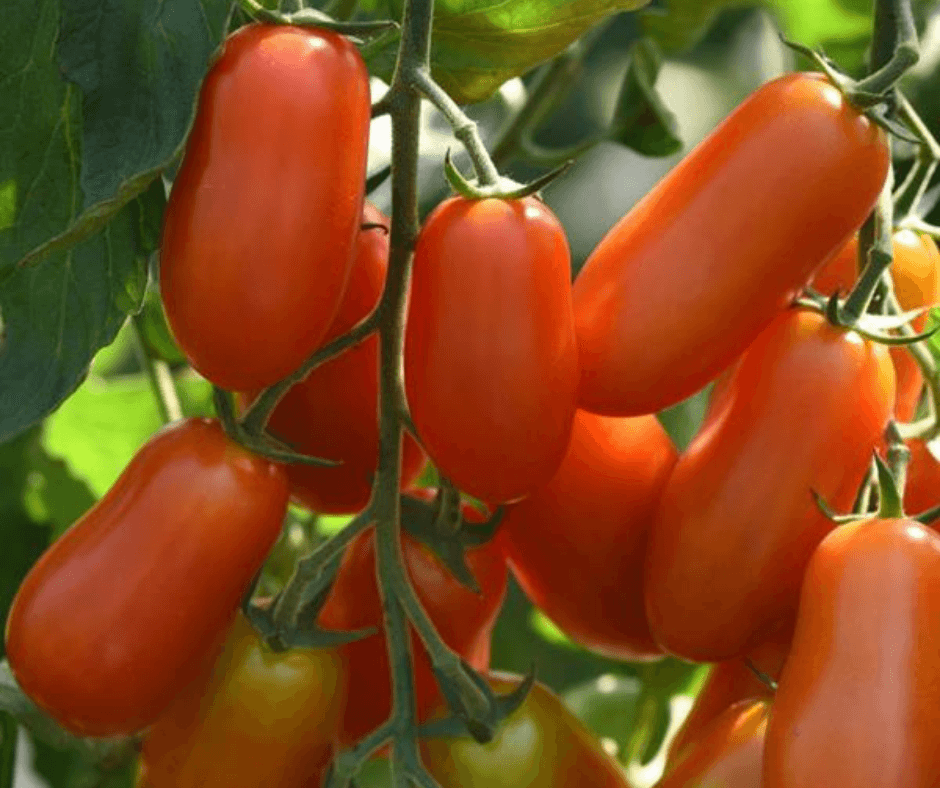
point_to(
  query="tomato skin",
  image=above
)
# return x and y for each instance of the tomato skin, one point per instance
(729, 683)
(683, 283)
(143, 587)
(491, 365)
(259, 228)
(259, 720)
(863, 674)
(332, 413)
(728, 753)
(540, 745)
(577, 544)
(916, 274)
(464, 621)
(737, 521)
(922, 491)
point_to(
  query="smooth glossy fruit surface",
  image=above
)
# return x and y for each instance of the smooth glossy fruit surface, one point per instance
(577, 544)
(737, 521)
(259, 720)
(491, 362)
(126, 607)
(700, 266)
(259, 228)
(333, 412)
(859, 699)
(541, 745)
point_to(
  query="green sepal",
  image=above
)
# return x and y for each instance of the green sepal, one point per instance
(830, 513)
(889, 499)
(506, 190)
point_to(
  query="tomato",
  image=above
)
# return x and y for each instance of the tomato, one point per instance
(578, 543)
(916, 273)
(540, 745)
(923, 479)
(859, 700)
(332, 413)
(259, 229)
(737, 521)
(463, 619)
(728, 752)
(491, 364)
(728, 683)
(700, 266)
(259, 720)
(123, 609)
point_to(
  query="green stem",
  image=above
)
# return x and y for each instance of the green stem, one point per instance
(894, 32)
(160, 377)
(898, 457)
(465, 130)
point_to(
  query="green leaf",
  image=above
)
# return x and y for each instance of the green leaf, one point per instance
(8, 731)
(139, 66)
(105, 422)
(641, 121)
(683, 23)
(54, 495)
(479, 44)
(609, 706)
(549, 631)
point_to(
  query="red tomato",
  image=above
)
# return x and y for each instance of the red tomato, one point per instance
(259, 720)
(259, 229)
(578, 543)
(727, 753)
(859, 700)
(916, 273)
(923, 479)
(122, 611)
(491, 363)
(699, 267)
(728, 683)
(463, 619)
(737, 521)
(540, 745)
(332, 413)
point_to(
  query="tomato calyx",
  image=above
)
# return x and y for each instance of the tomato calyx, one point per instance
(504, 705)
(311, 17)
(505, 189)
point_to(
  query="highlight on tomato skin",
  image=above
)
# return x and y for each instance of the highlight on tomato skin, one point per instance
(683, 283)
(540, 745)
(251, 278)
(491, 364)
(915, 272)
(130, 603)
(463, 619)
(332, 413)
(737, 521)
(863, 674)
(728, 752)
(259, 718)
(578, 543)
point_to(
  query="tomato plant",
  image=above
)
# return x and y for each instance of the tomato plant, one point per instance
(464, 621)
(735, 229)
(578, 543)
(258, 719)
(259, 229)
(863, 674)
(332, 412)
(737, 521)
(491, 364)
(728, 752)
(124, 609)
(916, 274)
(540, 745)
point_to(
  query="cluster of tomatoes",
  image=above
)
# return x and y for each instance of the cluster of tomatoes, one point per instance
(530, 392)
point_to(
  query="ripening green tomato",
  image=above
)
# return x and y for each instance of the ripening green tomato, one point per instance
(577, 544)
(729, 683)
(464, 620)
(728, 752)
(916, 275)
(259, 228)
(126, 607)
(491, 363)
(700, 266)
(737, 521)
(332, 413)
(858, 704)
(540, 745)
(260, 719)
